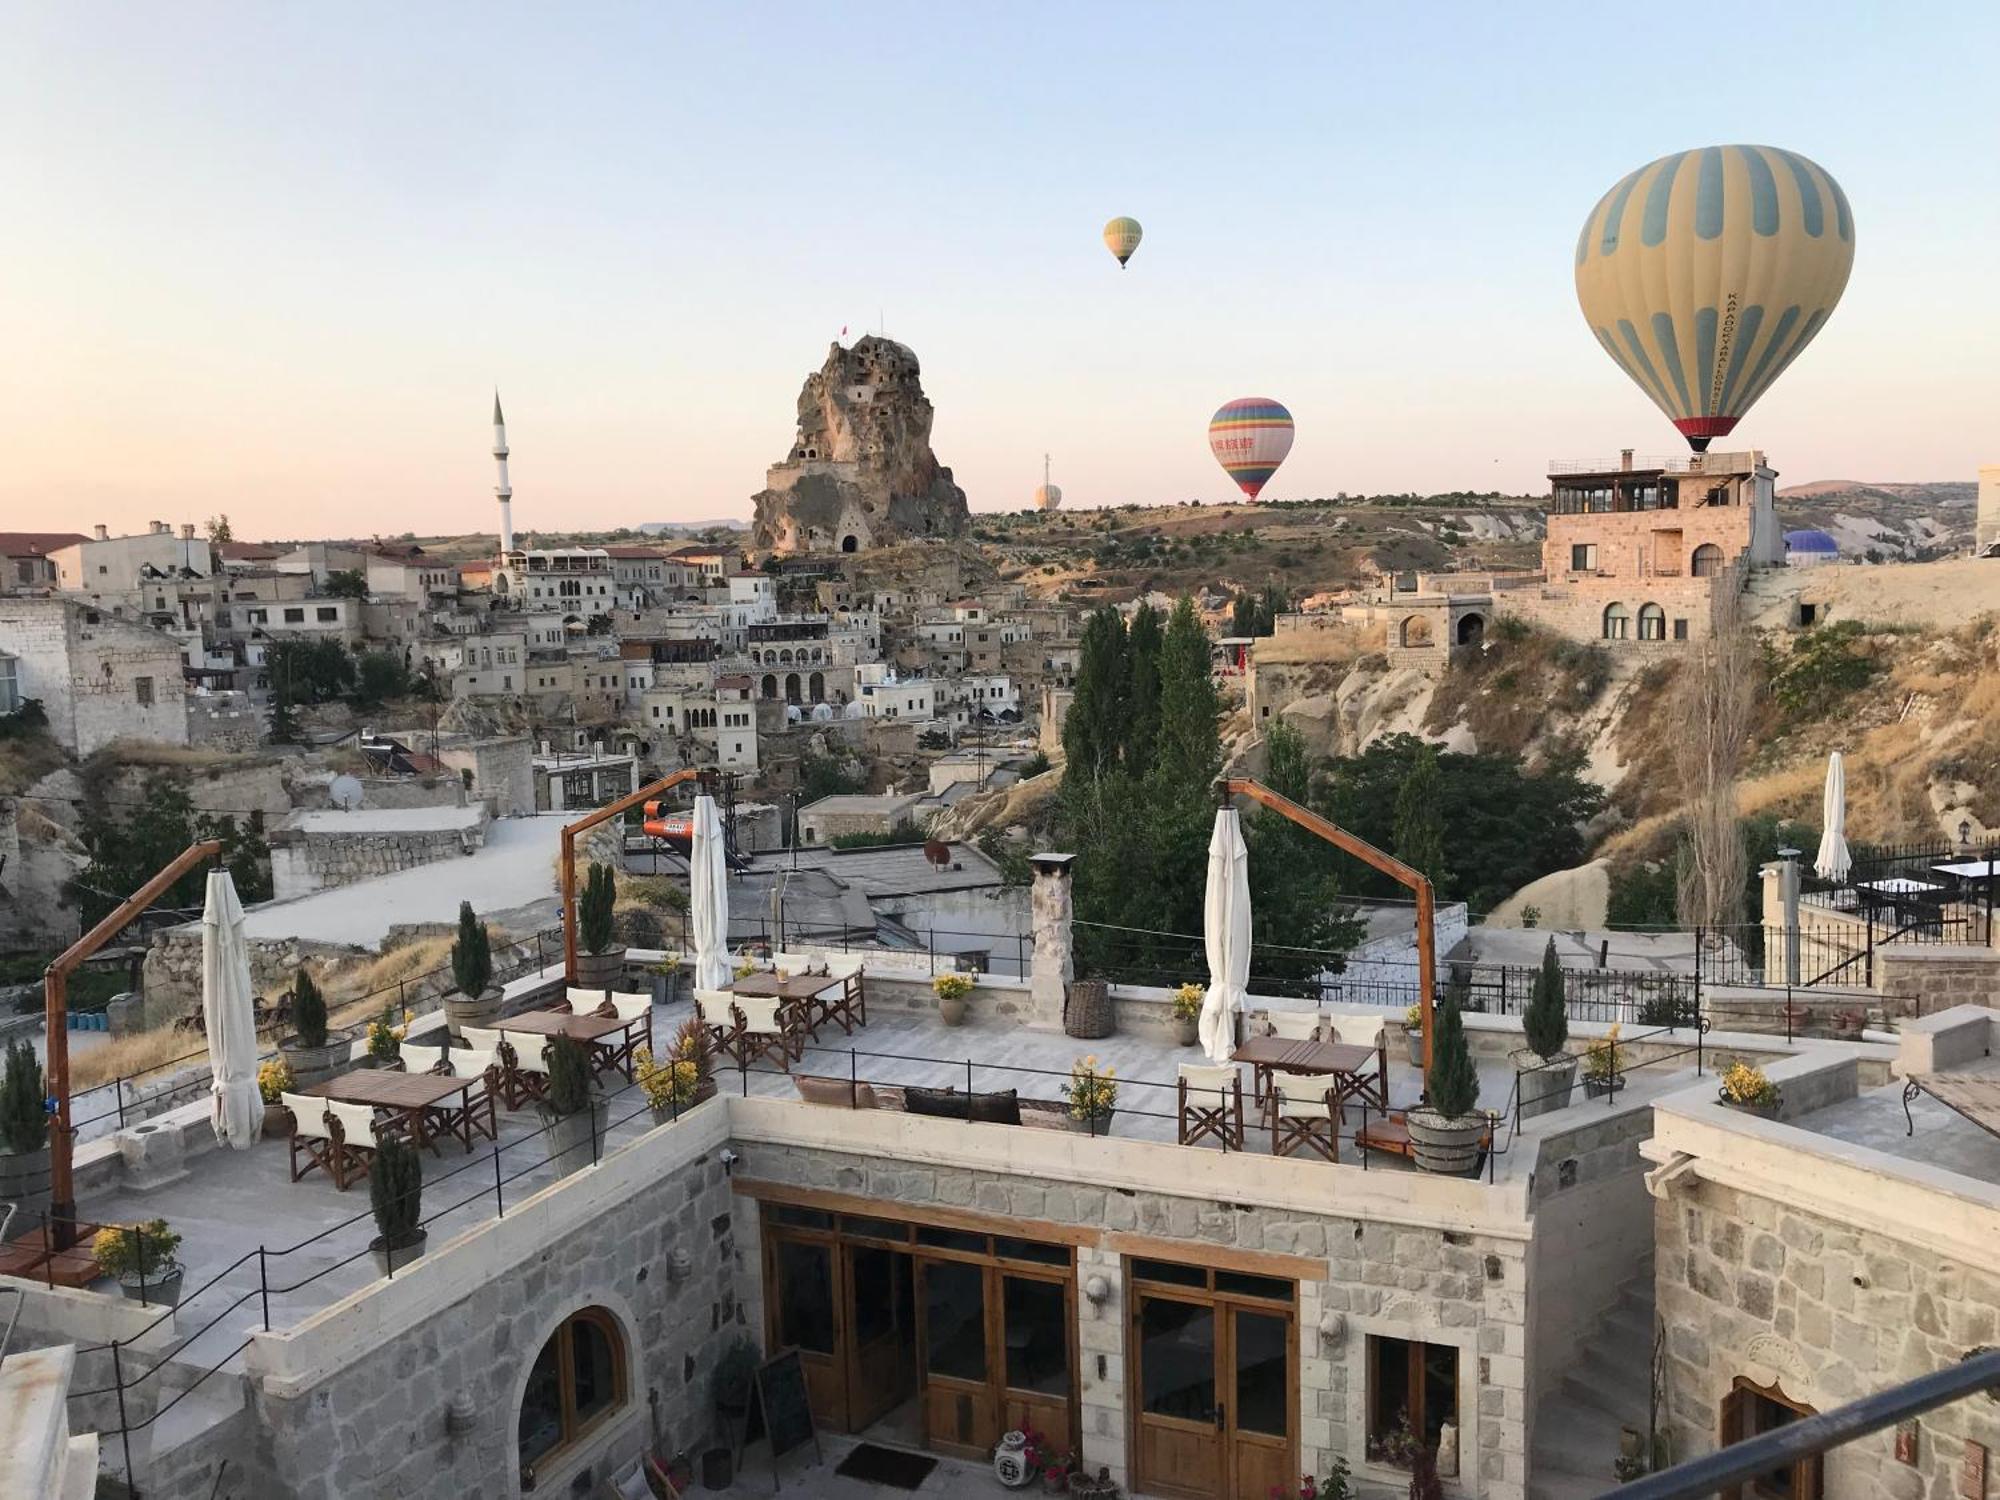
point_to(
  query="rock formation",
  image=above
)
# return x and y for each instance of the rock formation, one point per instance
(861, 472)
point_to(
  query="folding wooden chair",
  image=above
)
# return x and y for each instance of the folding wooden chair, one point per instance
(1211, 1104)
(1302, 1119)
(766, 1028)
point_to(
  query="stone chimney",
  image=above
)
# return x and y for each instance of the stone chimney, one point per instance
(187, 531)
(1625, 460)
(1049, 917)
(160, 528)
(103, 531)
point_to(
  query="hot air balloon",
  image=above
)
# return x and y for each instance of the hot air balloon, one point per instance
(1047, 496)
(1250, 438)
(1121, 238)
(1704, 274)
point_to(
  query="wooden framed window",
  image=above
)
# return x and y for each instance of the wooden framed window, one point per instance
(1751, 1410)
(1412, 1394)
(576, 1384)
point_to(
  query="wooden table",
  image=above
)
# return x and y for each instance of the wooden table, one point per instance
(591, 1030)
(417, 1100)
(770, 986)
(1269, 1054)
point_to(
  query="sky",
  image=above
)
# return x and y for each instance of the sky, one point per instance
(272, 261)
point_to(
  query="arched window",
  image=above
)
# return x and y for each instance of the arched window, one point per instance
(848, 543)
(770, 685)
(791, 687)
(577, 1382)
(816, 685)
(1707, 561)
(1652, 623)
(1415, 631)
(1471, 630)
(1617, 622)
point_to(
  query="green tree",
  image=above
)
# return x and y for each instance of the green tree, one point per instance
(1420, 818)
(309, 671)
(284, 721)
(1141, 721)
(380, 676)
(347, 583)
(1094, 729)
(1188, 751)
(1453, 1085)
(1299, 919)
(1546, 1020)
(218, 529)
(128, 844)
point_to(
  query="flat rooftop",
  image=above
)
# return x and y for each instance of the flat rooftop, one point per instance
(1934, 1134)
(387, 820)
(887, 869)
(515, 868)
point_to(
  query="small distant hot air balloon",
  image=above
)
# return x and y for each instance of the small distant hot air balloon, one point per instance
(1250, 438)
(1705, 273)
(1121, 238)
(1047, 496)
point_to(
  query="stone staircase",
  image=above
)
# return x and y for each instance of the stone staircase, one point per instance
(39, 1458)
(1606, 1386)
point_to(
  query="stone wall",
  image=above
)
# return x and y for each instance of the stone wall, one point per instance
(98, 681)
(502, 769)
(354, 1409)
(306, 861)
(1409, 1281)
(224, 721)
(1920, 981)
(1751, 1288)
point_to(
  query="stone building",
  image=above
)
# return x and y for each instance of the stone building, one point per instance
(27, 563)
(1842, 1247)
(860, 472)
(98, 679)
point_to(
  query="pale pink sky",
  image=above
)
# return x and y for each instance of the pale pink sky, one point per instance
(258, 263)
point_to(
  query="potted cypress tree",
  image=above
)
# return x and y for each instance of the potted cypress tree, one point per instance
(573, 1112)
(600, 961)
(396, 1194)
(1445, 1131)
(1547, 1071)
(309, 1055)
(24, 1131)
(477, 1001)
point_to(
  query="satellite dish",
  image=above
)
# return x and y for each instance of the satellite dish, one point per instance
(346, 792)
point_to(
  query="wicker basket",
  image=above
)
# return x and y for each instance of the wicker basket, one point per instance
(1087, 1009)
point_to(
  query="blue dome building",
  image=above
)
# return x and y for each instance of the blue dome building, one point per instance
(1806, 549)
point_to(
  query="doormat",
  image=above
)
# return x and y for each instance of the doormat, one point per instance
(890, 1466)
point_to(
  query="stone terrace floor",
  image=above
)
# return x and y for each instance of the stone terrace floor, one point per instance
(231, 1202)
(1943, 1138)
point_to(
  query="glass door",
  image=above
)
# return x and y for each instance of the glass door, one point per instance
(1179, 1426)
(1258, 1424)
(959, 1411)
(1034, 1357)
(807, 1319)
(882, 1335)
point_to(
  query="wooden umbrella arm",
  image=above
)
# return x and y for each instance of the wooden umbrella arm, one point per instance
(1418, 884)
(55, 996)
(605, 814)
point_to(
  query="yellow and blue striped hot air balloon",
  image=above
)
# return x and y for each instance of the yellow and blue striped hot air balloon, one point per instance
(1121, 238)
(1250, 438)
(1705, 273)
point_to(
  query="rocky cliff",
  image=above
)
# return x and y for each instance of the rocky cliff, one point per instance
(861, 472)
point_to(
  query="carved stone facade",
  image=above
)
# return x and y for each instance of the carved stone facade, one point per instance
(860, 473)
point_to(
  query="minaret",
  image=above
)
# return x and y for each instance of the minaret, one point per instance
(503, 490)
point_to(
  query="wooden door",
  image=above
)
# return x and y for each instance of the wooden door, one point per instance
(880, 1355)
(1217, 1388)
(1178, 1427)
(960, 1414)
(805, 1314)
(1034, 1363)
(1751, 1410)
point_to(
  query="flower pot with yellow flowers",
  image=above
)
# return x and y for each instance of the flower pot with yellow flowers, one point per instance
(1745, 1087)
(1092, 1092)
(680, 1080)
(141, 1257)
(1604, 1065)
(951, 991)
(274, 1081)
(1187, 1014)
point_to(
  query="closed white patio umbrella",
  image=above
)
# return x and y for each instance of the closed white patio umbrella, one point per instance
(1834, 861)
(1225, 932)
(237, 1109)
(708, 897)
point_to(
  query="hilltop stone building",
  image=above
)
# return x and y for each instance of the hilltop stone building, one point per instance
(860, 472)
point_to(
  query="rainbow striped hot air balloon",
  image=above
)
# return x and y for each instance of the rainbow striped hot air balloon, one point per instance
(1250, 438)
(1705, 273)
(1121, 238)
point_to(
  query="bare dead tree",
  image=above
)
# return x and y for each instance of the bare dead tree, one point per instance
(1712, 709)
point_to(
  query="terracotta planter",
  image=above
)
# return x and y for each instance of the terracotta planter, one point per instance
(951, 1010)
(481, 1011)
(1546, 1085)
(1187, 1030)
(387, 1261)
(601, 971)
(1444, 1145)
(311, 1065)
(279, 1122)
